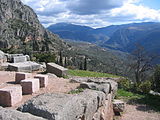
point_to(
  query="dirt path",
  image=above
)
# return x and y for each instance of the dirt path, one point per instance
(139, 112)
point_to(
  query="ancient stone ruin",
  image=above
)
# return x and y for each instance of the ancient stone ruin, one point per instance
(56, 69)
(94, 102)
(17, 62)
(11, 95)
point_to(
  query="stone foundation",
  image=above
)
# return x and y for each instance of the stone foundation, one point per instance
(30, 86)
(11, 95)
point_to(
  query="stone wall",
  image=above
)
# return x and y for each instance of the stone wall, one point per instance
(94, 103)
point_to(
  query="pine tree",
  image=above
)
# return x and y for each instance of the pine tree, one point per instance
(61, 58)
(65, 62)
(81, 66)
(85, 63)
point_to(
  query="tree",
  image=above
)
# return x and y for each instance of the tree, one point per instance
(65, 62)
(157, 78)
(141, 63)
(85, 63)
(61, 58)
(81, 66)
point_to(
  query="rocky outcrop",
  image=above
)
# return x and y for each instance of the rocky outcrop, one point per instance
(7, 114)
(20, 29)
(81, 106)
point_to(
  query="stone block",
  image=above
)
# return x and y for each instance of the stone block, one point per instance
(118, 106)
(43, 80)
(24, 66)
(56, 69)
(10, 95)
(22, 76)
(59, 106)
(30, 86)
(19, 59)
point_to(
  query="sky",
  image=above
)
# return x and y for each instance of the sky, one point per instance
(95, 13)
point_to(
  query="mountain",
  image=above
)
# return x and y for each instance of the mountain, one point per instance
(76, 32)
(21, 32)
(20, 29)
(145, 34)
(117, 37)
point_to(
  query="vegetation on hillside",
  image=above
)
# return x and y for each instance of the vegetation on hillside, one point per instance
(83, 73)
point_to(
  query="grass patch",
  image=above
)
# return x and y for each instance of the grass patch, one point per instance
(76, 91)
(126, 95)
(151, 100)
(83, 73)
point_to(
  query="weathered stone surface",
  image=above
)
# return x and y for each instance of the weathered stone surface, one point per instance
(64, 106)
(105, 112)
(11, 95)
(43, 80)
(56, 69)
(30, 86)
(118, 106)
(28, 57)
(19, 59)
(11, 56)
(104, 87)
(2, 57)
(8, 114)
(24, 66)
(21, 76)
(100, 81)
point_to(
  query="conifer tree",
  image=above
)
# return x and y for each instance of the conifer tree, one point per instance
(85, 63)
(61, 58)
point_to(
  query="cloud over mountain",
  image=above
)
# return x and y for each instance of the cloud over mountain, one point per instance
(94, 13)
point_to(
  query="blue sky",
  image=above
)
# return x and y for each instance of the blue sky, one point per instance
(154, 4)
(95, 13)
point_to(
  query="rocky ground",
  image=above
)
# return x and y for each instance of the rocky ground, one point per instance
(139, 112)
(55, 85)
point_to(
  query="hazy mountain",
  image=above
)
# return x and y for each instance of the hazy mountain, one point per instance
(77, 33)
(117, 37)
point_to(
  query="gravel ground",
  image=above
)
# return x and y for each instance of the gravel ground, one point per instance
(139, 112)
(55, 85)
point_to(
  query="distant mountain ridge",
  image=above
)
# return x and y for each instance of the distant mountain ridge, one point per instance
(117, 37)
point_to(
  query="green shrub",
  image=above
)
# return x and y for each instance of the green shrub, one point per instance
(157, 78)
(45, 57)
(124, 84)
(144, 87)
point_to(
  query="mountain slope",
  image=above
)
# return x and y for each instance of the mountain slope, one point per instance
(20, 27)
(76, 32)
(118, 37)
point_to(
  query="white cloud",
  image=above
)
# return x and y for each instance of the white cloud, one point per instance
(95, 13)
